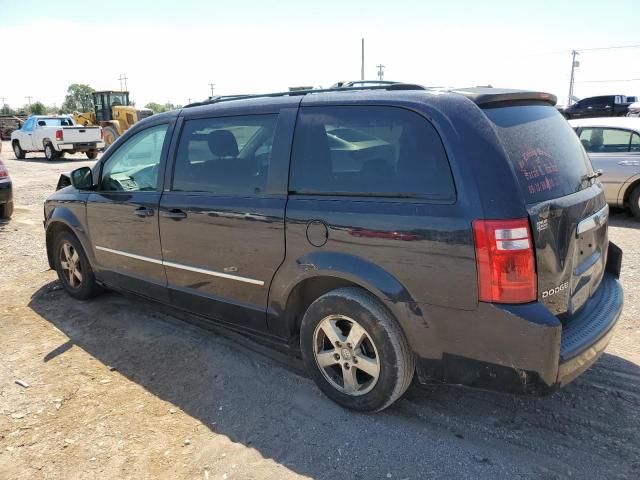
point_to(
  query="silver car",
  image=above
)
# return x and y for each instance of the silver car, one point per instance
(613, 145)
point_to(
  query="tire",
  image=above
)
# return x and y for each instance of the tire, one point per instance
(110, 135)
(18, 152)
(49, 152)
(6, 210)
(73, 268)
(378, 367)
(634, 202)
(92, 154)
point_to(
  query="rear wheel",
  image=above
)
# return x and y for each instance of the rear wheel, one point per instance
(110, 135)
(6, 210)
(73, 268)
(17, 150)
(49, 152)
(634, 202)
(92, 154)
(355, 351)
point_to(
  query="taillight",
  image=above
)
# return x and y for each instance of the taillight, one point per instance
(4, 173)
(505, 261)
(59, 135)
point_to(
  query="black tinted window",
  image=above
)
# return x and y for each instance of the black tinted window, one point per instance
(227, 155)
(368, 150)
(543, 149)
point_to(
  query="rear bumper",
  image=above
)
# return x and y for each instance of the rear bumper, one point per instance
(523, 348)
(81, 147)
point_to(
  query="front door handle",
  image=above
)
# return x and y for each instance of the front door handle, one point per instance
(175, 213)
(144, 212)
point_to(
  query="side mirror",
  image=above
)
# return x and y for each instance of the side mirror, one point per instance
(42, 123)
(82, 178)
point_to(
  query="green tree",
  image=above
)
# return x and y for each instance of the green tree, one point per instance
(156, 107)
(37, 108)
(7, 110)
(78, 98)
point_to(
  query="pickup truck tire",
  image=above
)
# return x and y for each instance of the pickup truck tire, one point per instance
(92, 154)
(355, 350)
(18, 152)
(73, 268)
(49, 152)
(110, 135)
(634, 202)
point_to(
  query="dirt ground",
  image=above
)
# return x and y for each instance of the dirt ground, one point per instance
(119, 389)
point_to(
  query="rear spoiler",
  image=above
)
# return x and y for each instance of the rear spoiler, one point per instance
(487, 96)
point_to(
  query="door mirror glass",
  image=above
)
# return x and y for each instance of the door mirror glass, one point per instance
(82, 178)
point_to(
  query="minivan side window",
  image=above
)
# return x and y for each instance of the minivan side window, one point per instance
(225, 155)
(605, 140)
(134, 165)
(368, 151)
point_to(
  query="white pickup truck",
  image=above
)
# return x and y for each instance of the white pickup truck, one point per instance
(56, 135)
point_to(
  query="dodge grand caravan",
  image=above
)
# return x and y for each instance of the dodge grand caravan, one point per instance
(377, 232)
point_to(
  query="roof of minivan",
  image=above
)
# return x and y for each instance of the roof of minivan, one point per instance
(478, 95)
(632, 123)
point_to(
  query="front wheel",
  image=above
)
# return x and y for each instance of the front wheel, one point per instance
(110, 135)
(355, 351)
(49, 152)
(92, 154)
(18, 152)
(73, 268)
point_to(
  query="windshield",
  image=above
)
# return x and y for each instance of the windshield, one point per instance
(545, 153)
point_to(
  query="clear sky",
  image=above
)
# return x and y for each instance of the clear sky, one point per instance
(171, 50)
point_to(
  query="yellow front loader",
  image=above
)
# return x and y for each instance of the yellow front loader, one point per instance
(113, 113)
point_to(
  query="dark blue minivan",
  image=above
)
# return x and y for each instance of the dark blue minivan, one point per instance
(375, 231)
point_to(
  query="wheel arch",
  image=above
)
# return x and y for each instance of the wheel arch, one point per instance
(63, 219)
(629, 186)
(317, 273)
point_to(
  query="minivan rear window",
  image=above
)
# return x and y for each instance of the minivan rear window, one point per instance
(544, 151)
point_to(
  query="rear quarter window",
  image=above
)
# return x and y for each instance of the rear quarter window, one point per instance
(543, 150)
(369, 151)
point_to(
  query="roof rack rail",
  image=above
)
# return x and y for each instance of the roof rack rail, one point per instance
(379, 85)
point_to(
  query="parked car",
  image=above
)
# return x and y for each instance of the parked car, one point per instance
(602, 106)
(634, 110)
(56, 135)
(613, 144)
(506, 278)
(6, 192)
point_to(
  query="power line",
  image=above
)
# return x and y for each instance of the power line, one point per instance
(608, 48)
(608, 81)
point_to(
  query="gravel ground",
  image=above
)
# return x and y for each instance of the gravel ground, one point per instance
(120, 389)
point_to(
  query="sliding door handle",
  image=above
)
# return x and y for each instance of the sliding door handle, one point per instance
(175, 214)
(144, 212)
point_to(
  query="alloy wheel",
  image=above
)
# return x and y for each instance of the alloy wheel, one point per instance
(346, 355)
(70, 264)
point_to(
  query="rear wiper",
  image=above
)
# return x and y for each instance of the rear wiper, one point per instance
(591, 176)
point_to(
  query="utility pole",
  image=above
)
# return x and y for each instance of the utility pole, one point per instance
(28, 97)
(362, 62)
(211, 86)
(380, 71)
(123, 78)
(574, 65)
